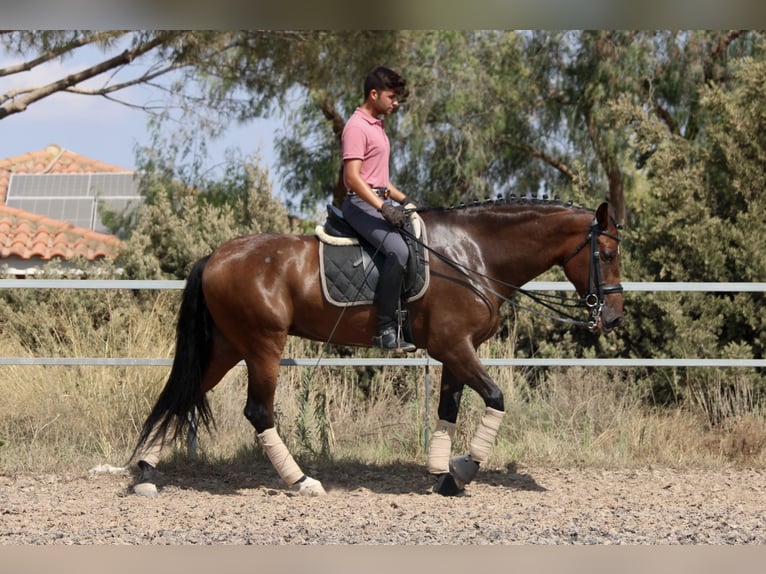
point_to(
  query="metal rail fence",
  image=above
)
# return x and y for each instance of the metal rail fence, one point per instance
(409, 361)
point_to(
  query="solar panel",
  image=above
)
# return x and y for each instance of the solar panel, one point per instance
(76, 197)
(112, 185)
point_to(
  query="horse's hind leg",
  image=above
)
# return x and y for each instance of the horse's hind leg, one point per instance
(222, 358)
(148, 458)
(259, 410)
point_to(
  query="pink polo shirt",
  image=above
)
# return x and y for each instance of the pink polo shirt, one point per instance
(364, 138)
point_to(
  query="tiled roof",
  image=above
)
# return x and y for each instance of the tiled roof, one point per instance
(28, 235)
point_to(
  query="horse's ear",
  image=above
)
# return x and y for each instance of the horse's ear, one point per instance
(602, 216)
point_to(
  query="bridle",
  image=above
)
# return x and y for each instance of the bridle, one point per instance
(595, 298)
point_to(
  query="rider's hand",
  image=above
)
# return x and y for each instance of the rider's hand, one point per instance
(393, 215)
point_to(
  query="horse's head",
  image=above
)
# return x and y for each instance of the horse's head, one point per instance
(594, 270)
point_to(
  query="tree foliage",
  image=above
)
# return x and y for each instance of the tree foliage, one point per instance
(179, 222)
(699, 216)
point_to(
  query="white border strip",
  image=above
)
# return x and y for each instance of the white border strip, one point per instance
(646, 286)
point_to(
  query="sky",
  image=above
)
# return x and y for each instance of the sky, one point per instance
(108, 131)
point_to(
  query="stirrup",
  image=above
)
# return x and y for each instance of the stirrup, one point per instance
(388, 341)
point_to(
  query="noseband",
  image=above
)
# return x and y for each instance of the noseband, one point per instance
(594, 300)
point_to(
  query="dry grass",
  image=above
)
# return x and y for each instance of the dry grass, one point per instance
(67, 419)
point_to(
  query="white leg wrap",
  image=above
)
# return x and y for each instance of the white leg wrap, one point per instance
(279, 456)
(440, 448)
(485, 435)
(151, 449)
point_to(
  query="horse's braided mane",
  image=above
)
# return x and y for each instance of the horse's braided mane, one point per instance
(511, 199)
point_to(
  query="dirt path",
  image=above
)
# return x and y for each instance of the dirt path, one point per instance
(389, 505)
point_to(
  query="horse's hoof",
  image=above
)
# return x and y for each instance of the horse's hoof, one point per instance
(447, 486)
(145, 489)
(310, 487)
(463, 468)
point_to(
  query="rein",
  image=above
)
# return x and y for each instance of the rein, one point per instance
(594, 300)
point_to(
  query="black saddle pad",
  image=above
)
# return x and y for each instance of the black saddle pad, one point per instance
(350, 267)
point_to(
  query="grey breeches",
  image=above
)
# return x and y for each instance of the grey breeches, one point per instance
(370, 224)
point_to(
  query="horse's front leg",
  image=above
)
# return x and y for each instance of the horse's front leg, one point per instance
(440, 448)
(461, 470)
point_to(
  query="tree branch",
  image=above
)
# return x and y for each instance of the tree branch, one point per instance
(143, 79)
(19, 104)
(553, 162)
(58, 52)
(330, 113)
(668, 119)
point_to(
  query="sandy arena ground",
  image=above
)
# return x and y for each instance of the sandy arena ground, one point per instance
(206, 504)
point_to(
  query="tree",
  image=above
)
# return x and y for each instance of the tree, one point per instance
(668, 125)
(316, 77)
(491, 111)
(678, 113)
(581, 75)
(698, 216)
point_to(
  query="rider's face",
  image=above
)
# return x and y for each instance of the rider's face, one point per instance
(385, 101)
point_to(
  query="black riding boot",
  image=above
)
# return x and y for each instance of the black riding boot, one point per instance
(387, 297)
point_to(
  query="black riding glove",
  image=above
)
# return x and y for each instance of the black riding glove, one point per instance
(393, 215)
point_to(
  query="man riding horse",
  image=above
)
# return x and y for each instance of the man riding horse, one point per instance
(367, 206)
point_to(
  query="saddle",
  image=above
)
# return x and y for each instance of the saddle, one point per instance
(349, 267)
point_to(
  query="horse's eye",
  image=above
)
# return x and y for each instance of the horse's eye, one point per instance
(607, 256)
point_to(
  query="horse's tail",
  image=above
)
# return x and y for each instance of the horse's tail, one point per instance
(182, 394)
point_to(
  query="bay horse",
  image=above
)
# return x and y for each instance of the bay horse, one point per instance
(242, 301)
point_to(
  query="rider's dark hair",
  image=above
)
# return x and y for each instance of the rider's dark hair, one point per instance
(382, 78)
